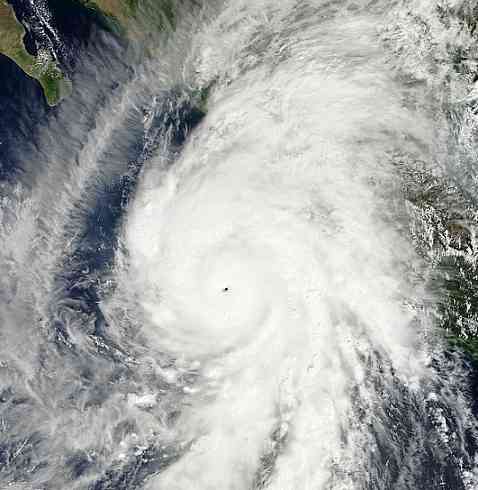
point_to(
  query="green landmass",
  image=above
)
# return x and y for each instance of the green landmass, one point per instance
(120, 10)
(134, 18)
(445, 225)
(43, 67)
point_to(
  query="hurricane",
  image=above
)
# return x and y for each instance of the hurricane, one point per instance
(236, 262)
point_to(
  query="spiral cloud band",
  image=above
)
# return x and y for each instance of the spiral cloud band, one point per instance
(242, 254)
(266, 257)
